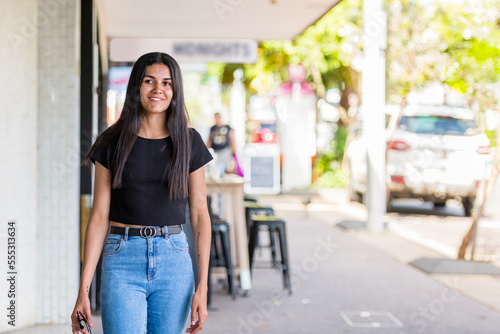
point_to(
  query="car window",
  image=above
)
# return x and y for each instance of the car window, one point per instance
(438, 125)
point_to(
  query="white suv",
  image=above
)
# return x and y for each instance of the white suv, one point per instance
(355, 154)
(436, 153)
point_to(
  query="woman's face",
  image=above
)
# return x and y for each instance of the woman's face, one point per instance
(156, 89)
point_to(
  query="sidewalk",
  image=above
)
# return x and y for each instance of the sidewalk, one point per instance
(358, 280)
(347, 282)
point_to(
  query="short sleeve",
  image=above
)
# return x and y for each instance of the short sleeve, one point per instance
(101, 155)
(200, 155)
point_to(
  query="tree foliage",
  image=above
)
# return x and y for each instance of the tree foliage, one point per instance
(453, 43)
(327, 50)
(414, 55)
(471, 32)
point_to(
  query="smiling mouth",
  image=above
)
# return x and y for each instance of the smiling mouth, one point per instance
(156, 99)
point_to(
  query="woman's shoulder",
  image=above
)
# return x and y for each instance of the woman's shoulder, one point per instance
(193, 132)
(108, 139)
(195, 137)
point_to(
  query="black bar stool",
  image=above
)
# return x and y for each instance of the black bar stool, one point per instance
(275, 225)
(252, 208)
(248, 198)
(221, 255)
(220, 252)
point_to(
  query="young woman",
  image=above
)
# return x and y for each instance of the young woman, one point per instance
(148, 165)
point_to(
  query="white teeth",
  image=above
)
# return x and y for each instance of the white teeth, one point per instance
(155, 99)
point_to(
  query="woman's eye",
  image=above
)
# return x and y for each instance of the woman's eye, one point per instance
(148, 81)
(167, 83)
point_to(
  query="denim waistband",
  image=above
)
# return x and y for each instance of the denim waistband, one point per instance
(147, 231)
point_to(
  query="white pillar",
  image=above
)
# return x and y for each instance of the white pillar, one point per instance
(18, 159)
(373, 100)
(58, 160)
(238, 112)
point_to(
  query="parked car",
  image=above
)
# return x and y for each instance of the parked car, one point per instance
(434, 153)
(437, 153)
(355, 154)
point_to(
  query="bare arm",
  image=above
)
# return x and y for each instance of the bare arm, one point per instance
(209, 141)
(232, 144)
(98, 225)
(200, 223)
(95, 235)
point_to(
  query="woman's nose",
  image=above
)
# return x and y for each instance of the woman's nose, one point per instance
(157, 87)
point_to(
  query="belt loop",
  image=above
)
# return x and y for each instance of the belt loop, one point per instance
(125, 237)
(165, 232)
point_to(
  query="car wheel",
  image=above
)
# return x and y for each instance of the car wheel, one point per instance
(468, 203)
(439, 203)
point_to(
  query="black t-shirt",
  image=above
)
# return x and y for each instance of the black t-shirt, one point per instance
(220, 136)
(143, 199)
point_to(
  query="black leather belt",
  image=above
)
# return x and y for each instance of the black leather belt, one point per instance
(147, 231)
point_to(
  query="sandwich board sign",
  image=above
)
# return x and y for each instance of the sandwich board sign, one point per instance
(262, 169)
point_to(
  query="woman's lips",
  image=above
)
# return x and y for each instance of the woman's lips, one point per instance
(156, 99)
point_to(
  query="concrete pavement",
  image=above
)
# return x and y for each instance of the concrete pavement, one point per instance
(357, 281)
(348, 281)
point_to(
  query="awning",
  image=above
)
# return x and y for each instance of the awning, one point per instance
(255, 19)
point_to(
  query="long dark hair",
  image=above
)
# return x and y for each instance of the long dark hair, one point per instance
(124, 132)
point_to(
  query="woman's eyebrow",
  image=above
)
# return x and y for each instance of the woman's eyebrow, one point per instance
(150, 76)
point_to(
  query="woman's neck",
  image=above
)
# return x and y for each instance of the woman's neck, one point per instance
(153, 126)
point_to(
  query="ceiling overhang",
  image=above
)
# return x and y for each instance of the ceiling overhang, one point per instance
(257, 19)
(214, 19)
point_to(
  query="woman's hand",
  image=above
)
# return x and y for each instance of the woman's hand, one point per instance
(82, 305)
(198, 307)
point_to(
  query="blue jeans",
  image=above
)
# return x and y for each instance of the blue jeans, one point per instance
(147, 284)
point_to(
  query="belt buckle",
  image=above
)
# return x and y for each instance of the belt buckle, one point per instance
(147, 232)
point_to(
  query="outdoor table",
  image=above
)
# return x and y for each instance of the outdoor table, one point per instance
(230, 187)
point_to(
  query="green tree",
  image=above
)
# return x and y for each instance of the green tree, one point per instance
(470, 32)
(328, 49)
(456, 44)
(415, 51)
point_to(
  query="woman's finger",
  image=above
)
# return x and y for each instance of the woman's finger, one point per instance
(74, 323)
(89, 319)
(193, 317)
(195, 329)
(198, 325)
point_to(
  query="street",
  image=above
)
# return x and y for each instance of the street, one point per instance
(443, 228)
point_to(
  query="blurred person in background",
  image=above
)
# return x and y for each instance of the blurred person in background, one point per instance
(221, 140)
